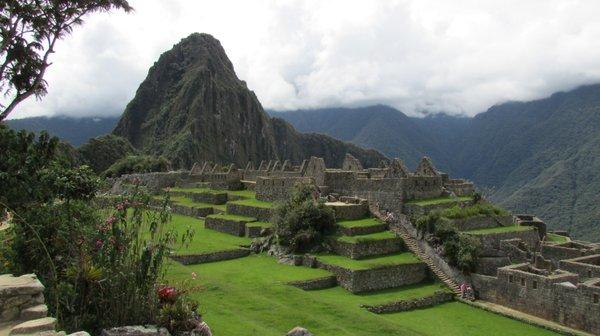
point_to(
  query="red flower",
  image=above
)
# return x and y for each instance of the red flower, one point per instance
(167, 293)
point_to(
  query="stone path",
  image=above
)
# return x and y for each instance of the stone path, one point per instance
(530, 319)
(412, 245)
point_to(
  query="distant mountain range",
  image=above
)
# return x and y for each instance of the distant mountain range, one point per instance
(75, 131)
(541, 156)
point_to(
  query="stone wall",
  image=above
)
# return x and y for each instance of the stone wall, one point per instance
(586, 267)
(361, 230)
(359, 281)
(347, 211)
(192, 259)
(277, 188)
(556, 296)
(568, 250)
(406, 305)
(226, 225)
(314, 284)
(459, 187)
(490, 243)
(367, 248)
(260, 213)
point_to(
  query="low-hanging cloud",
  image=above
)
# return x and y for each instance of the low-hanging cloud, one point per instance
(458, 57)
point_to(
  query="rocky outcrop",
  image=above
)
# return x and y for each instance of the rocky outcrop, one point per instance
(192, 107)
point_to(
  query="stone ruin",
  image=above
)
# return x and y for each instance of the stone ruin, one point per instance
(520, 270)
(388, 186)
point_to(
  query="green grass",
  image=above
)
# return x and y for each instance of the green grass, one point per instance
(239, 193)
(254, 203)
(260, 224)
(366, 222)
(198, 190)
(249, 296)
(205, 240)
(369, 263)
(552, 237)
(182, 200)
(457, 212)
(368, 237)
(440, 200)
(500, 229)
(233, 217)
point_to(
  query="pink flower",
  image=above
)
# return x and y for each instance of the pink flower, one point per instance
(99, 243)
(120, 206)
(112, 240)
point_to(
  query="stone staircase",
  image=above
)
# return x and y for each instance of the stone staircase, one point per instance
(412, 245)
(22, 308)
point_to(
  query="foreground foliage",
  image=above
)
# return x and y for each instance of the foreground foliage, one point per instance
(101, 268)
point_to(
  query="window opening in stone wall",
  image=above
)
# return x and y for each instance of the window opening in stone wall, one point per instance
(511, 279)
(596, 298)
(534, 285)
(523, 282)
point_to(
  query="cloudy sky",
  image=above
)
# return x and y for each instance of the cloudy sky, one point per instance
(458, 57)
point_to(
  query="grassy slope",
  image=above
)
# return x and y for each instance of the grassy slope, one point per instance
(205, 240)
(368, 263)
(368, 237)
(248, 296)
(254, 202)
(188, 202)
(360, 222)
(440, 200)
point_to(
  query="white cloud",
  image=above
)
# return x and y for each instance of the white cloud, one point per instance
(453, 56)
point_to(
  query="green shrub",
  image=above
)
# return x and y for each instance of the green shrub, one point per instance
(103, 151)
(138, 164)
(461, 250)
(479, 209)
(301, 223)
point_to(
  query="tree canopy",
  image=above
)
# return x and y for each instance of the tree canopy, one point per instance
(29, 31)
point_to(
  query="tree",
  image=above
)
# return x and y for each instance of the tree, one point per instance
(302, 222)
(29, 31)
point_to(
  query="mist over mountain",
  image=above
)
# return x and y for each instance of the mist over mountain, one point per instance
(540, 156)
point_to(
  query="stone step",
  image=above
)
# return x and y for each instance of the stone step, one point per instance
(226, 223)
(34, 326)
(34, 312)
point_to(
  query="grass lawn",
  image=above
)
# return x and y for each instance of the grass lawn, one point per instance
(249, 296)
(240, 193)
(551, 237)
(440, 200)
(182, 200)
(360, 223)
(500, 229)
(233, 217)
(254, 203)
(260, 224)
(368, 263)
(205, 240)
(367, 237)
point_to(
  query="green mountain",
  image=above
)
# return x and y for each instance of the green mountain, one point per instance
(75, 131)
(192, 107)
(540, 156)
